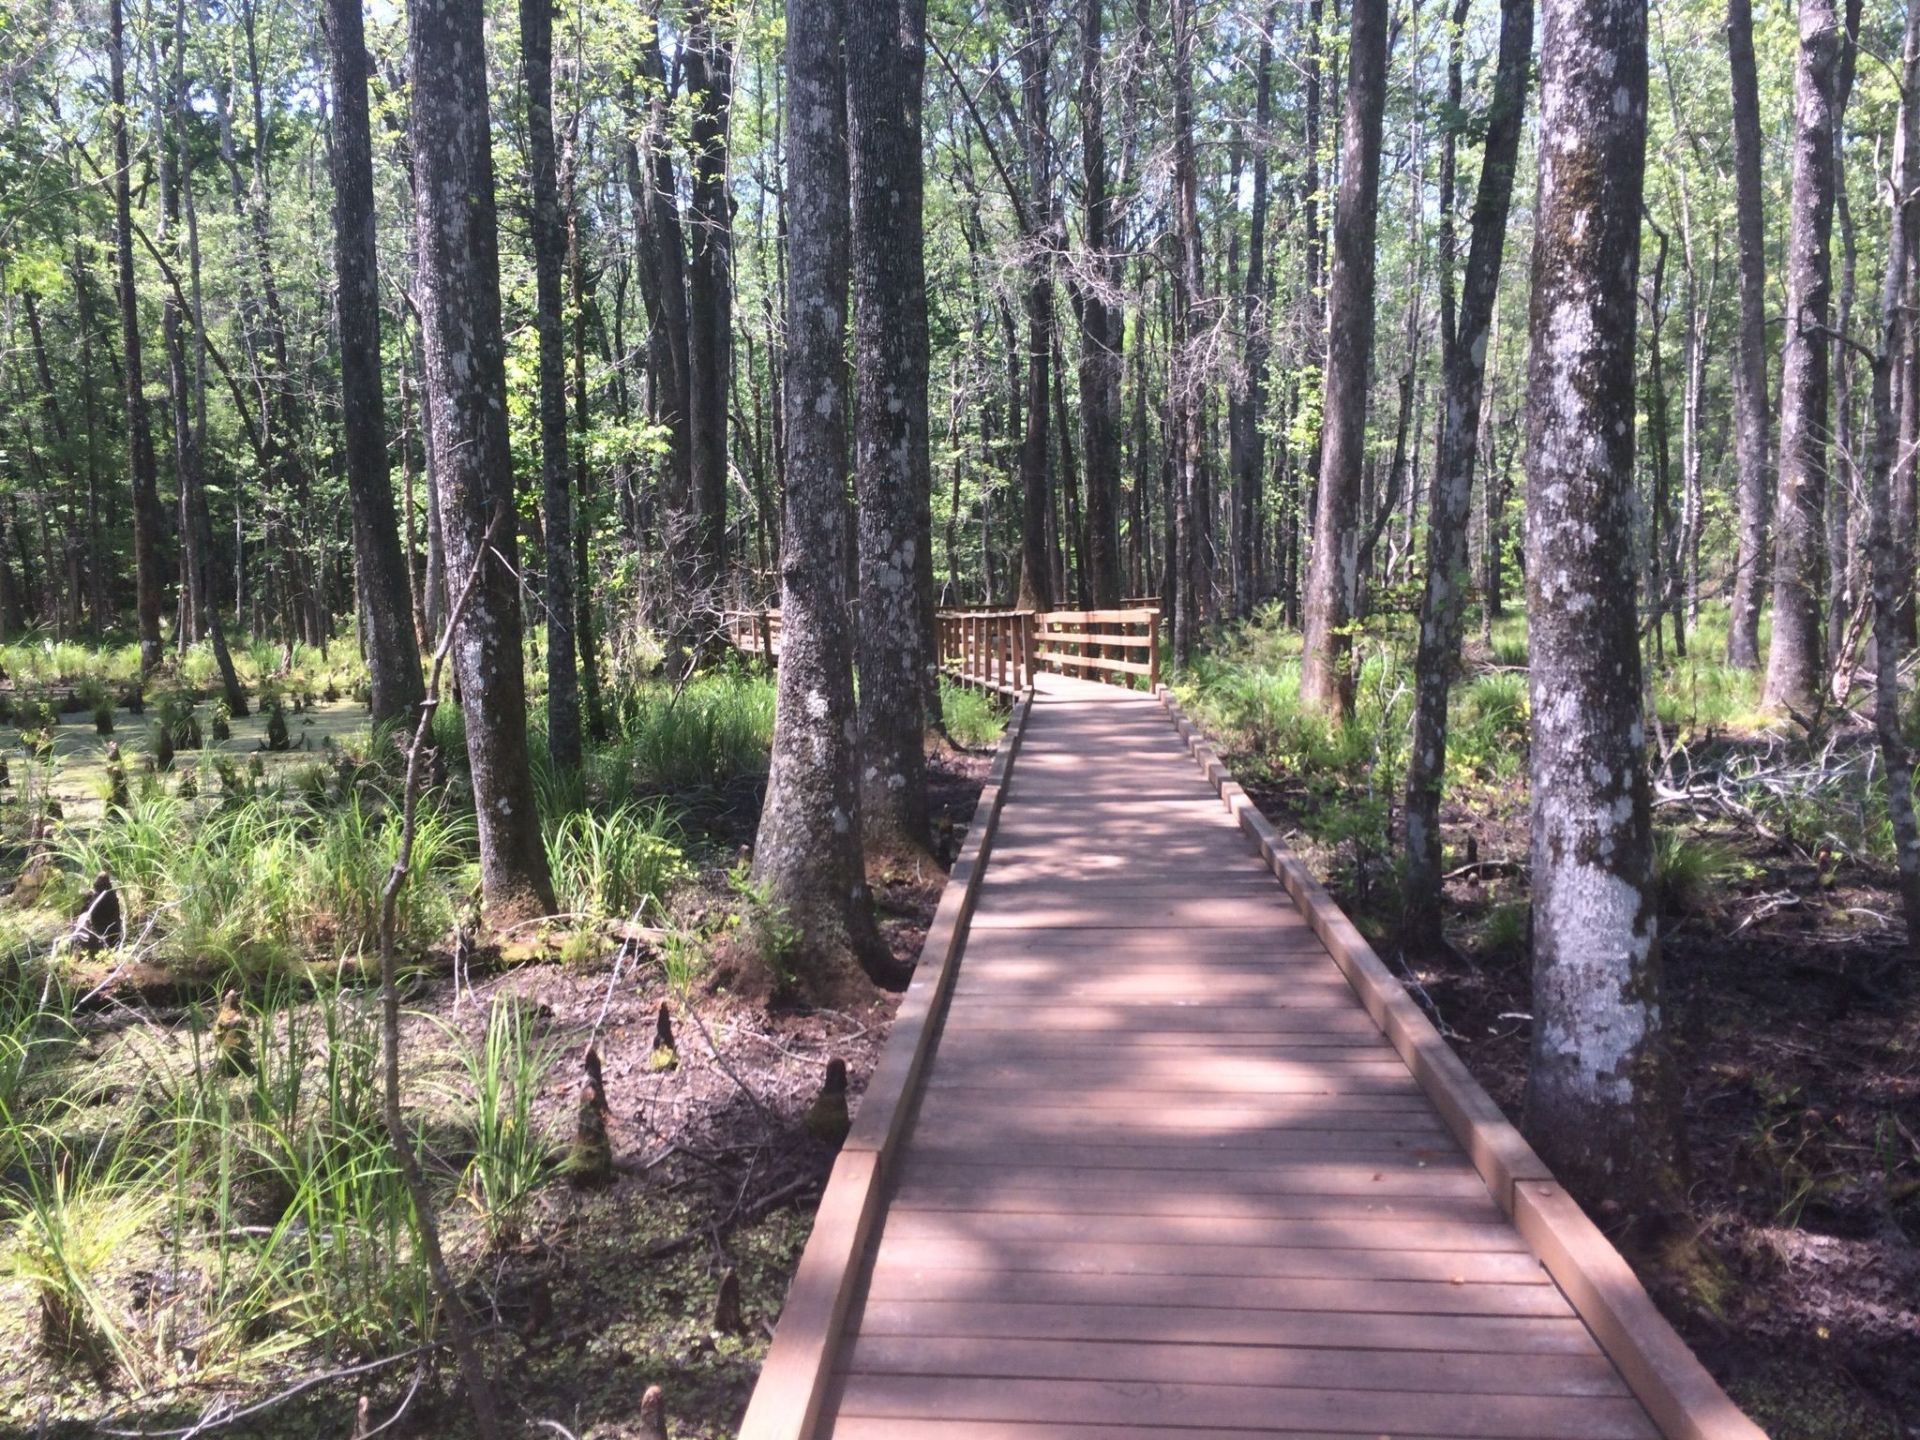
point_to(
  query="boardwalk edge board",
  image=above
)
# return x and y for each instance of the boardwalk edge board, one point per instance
(1665, 1375)
(793, 1382)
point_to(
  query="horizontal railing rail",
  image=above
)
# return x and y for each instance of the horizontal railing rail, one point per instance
(1002, 650)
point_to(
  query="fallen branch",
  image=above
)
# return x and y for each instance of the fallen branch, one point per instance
(214, 1420)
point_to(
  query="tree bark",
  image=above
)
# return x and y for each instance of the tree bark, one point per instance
(1326, 681)
(1464, 359)
(1035, 57)
(1794, 658)
(466, 374)
(709, 66)
(1751, 420)
(1185, 374)
(886, 60)
(807, 854)
(140, 457)
(549, 254)
(1600, 1091)
(1102, 325)
(1246, 404)
(1892, 585)
(393, 654)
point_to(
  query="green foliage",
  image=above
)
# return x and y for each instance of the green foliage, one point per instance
(504, 1074)
(972, 717)
(257, 885)
(712, 735)
(619, 864)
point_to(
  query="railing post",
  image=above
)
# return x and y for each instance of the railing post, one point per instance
(1153, 650)
(1027, 646)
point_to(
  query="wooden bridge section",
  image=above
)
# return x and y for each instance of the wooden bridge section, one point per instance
(1158, 1148)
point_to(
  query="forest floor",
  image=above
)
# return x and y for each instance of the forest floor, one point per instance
(1795, 1022)
(585, 1296)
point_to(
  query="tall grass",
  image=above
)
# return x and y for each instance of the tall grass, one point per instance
(617, 864)
(255, 885)
(713, 734)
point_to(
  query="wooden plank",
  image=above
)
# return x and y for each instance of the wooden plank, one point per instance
(964, 1117)
(788, 1397)
(1382, 1150)
(1178, 1264)
(1669, 1379)
(1279, 1018)
(1204, 1192)
(1366, 1412)
(1095, 662)
(1502, 1335)
(1094, 617)
(1434, 1372)
(1378, 1297)
(856, 1427)
(1384, 1229)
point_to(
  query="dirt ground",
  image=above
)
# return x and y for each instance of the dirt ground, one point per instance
(1795, 1022)
(616, 1289)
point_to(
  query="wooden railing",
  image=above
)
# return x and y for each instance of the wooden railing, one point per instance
(990, 649)
(754, 632)
(1099, 644)
(1002, 650)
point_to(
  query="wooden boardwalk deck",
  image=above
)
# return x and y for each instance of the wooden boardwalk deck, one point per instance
(1167, 1177)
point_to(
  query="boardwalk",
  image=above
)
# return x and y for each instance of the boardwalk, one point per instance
(1167, 1177)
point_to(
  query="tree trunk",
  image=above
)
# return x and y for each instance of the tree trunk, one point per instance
(1326, 681)
(1891, 586)
(1246, 441)
(1794, 658)
(140, 458)
(1600, 1085)
(892, 475)
(1035, 56)
(1751, 420)
(1464, 357)
(807, 854)
(1102, 325)
(1185, 371)
(466, 373)
(549, 254)
(709, 67)
(393, 655)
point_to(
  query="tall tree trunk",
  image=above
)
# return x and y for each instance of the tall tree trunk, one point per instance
(807, 853)
(1751, 419)
(709, 66)
(1793, 660)
(1892, 586)
(549, 255)
(583, 630)
(892, 469)
(1599, 1101)
(1326, 680)
(1246, 440)
(466, 373)
(1035, 57)
(140, 458)
(1185, 372)
(393, 655)
(1102, 323)
(1465, 343)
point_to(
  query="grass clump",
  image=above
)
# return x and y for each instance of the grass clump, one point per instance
(260, 883)
(619, 864)
(971, 717)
